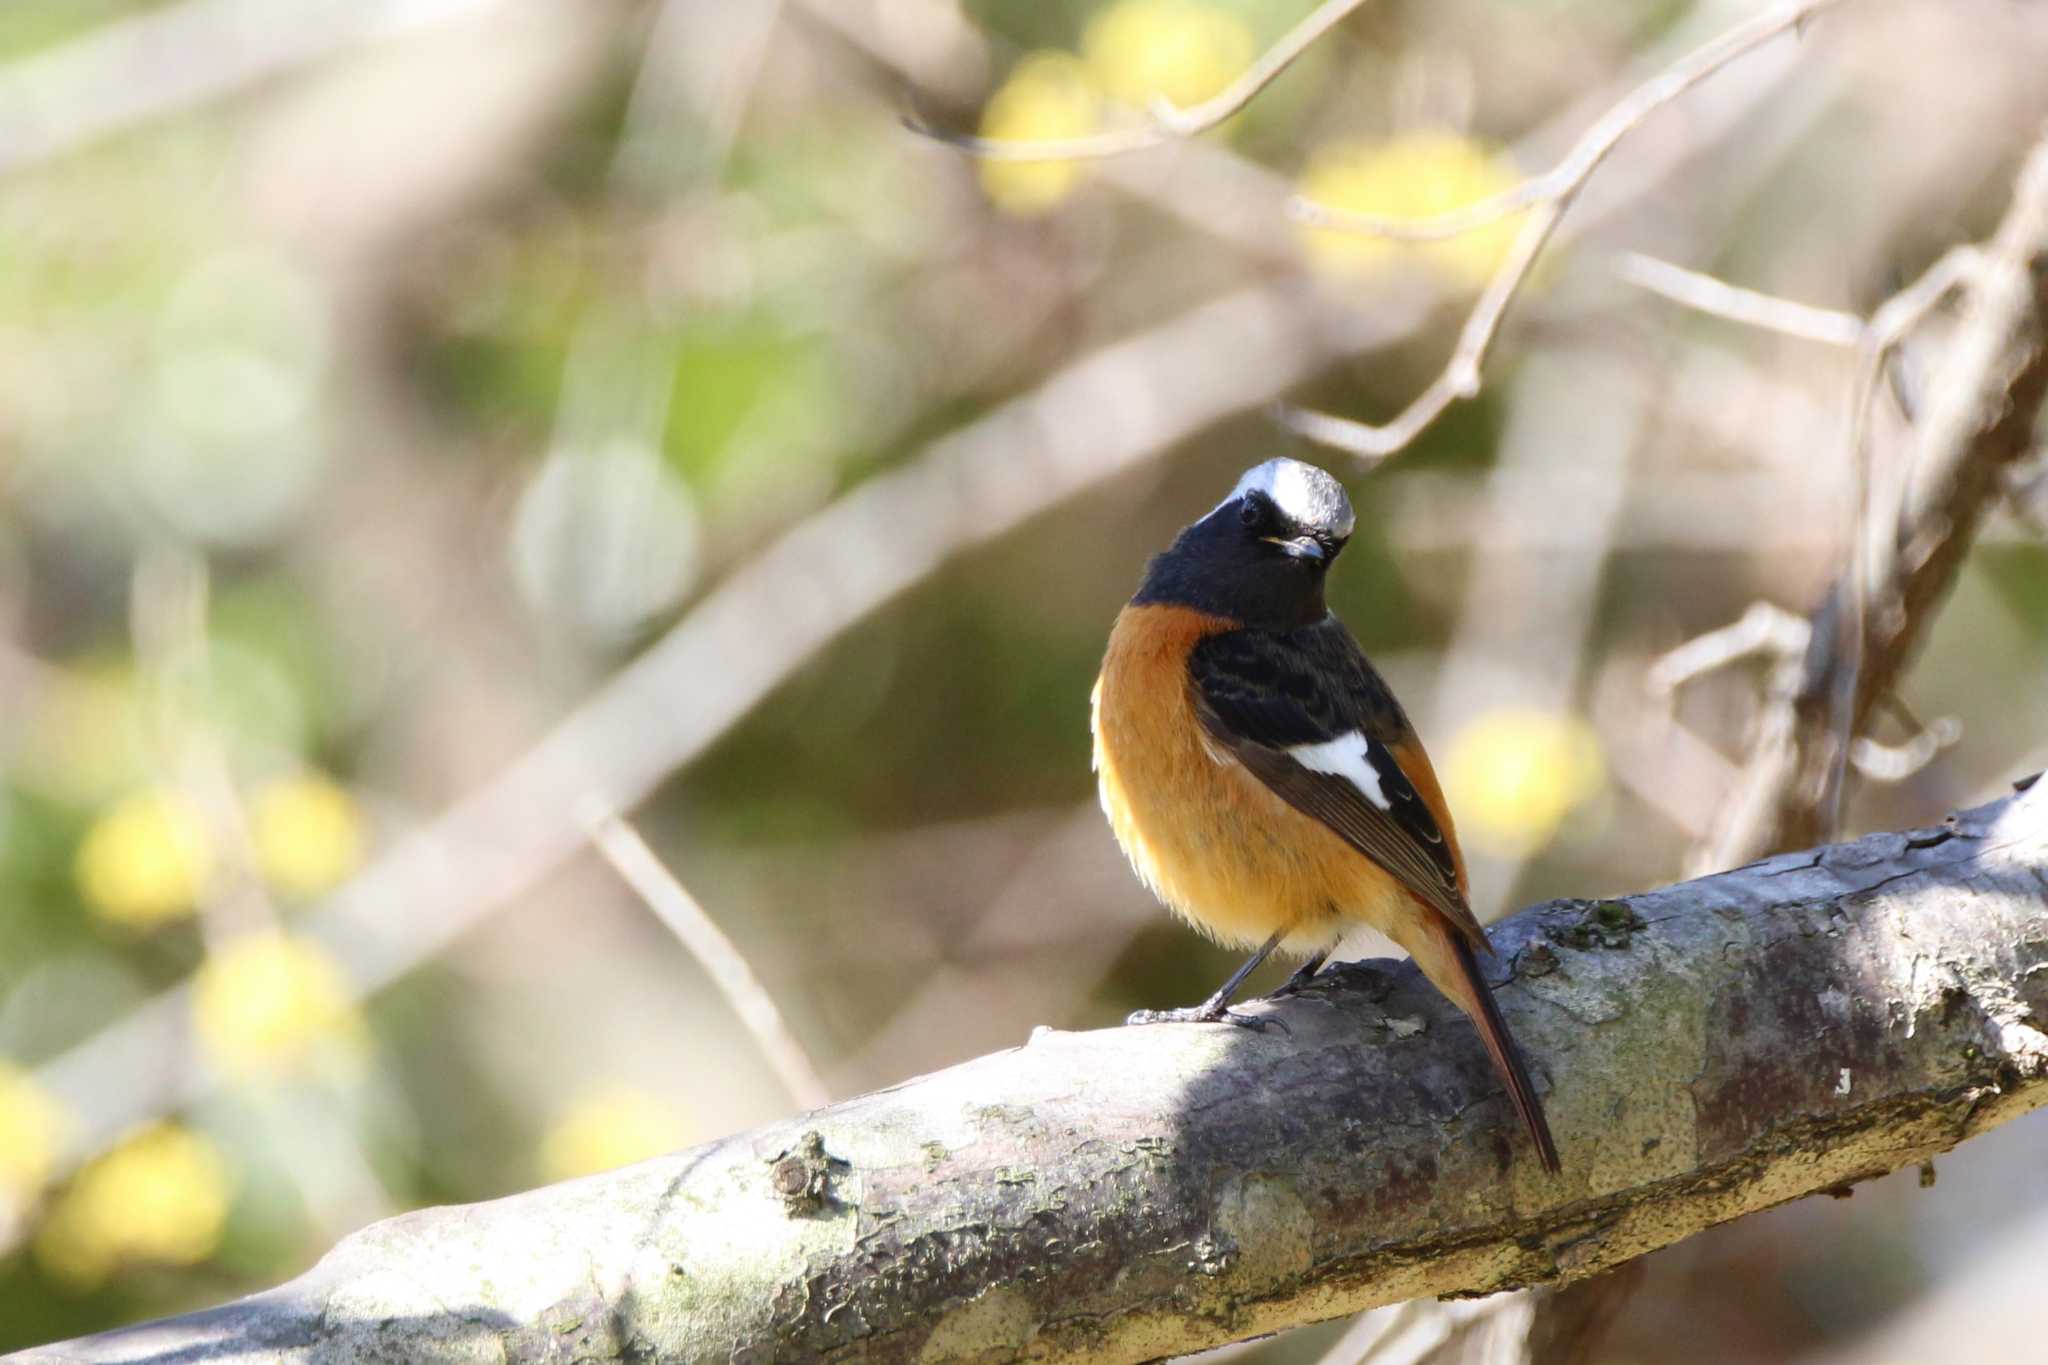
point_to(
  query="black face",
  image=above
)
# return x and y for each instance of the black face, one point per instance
(1252, 561)
(1311, 540)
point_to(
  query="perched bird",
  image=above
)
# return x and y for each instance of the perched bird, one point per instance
(1262, 779)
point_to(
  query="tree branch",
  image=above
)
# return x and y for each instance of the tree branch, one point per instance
(1103, 414)
(117, 76)
(1709, 1049)
(1717, 298)
(1547, 198)
(1978, 422)
(1168, 121)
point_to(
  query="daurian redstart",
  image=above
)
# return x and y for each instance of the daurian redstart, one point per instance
(1260, 776)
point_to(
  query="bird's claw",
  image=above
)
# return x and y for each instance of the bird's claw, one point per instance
(1203, 1014)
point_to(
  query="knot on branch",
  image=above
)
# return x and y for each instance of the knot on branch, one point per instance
(802, 1175)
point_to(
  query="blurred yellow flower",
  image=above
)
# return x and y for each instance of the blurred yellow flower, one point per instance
(308, 833)
(146, 859)
(85, 740)
(160, 1198)
(264, 1000)
(1514, 774)
(1417, 175)
(1048, 96)
(1182, 50)
(610, 1128)
(32, 1125)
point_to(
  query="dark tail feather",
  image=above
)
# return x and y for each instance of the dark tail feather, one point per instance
(1507, 1058)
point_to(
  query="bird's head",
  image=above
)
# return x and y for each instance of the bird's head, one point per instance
(1261, 554)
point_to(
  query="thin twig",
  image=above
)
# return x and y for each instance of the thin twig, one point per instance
(1875, 341)
(1548, 198)
(1977, 424)
(1438, 227)
(1460, 375)
(1764, 629)
(637, 865)
(1882, 762)
(1704, 294)
(1168, 123)
(168, 606)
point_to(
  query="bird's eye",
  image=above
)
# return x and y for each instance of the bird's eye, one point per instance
(1250, 514)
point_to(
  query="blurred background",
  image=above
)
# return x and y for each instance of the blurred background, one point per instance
(427, 425)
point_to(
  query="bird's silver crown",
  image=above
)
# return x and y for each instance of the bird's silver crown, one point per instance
(1304, 494)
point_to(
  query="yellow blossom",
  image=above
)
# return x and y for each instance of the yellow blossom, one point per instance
(609, 1128)
(146, 859)
(1183, 51)
(308, 833)
(32, 1126)
(1047, 97)
(1513, 775)
(84, 740)
(1418, 175)
(263, 1001)
(160, 1198)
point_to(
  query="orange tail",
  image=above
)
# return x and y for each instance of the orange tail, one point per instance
(1500, 1045)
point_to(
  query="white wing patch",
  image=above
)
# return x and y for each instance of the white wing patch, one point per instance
(1347, 756)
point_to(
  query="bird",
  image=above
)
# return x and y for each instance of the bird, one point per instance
(1263, 780)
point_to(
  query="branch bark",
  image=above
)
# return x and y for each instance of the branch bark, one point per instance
(1709, 1049)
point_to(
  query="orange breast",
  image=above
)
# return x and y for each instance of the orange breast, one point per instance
(1204, 834)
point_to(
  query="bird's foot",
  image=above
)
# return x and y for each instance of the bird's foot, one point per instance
(1301, 978)
(1206, 1014)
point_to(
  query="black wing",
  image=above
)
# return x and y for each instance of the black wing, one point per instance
(1307, 714)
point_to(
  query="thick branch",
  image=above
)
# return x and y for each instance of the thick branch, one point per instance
(1978, 423)
(1710, 1049)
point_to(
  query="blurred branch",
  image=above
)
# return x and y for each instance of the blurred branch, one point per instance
(2026, 491)
(1547, 198)
(1715, 1048)
(1978, 422)
(1765, 629)
(1168, 122)
(1570, 1321)
(1504, 607)
(1102, 415)
(933, 44)
(165, 59)
(1705, 294)
(1897, 762)
(1889, 327)
(635, 862)
(1488, 1331)
(169, 602)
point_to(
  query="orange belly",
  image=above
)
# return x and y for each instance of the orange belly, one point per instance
(1206, 836)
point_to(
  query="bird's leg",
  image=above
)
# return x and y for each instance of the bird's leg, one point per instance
(1302, 974)
(1214, 1010)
